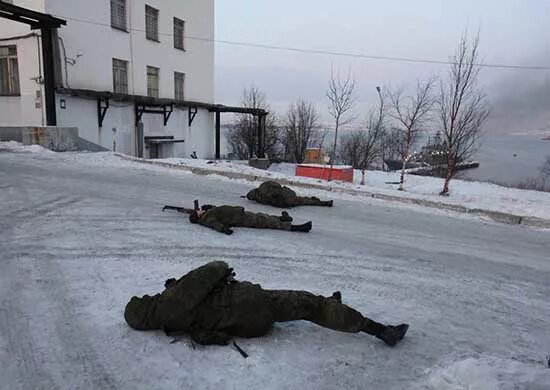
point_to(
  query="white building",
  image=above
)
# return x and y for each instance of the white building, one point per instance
(118, 63)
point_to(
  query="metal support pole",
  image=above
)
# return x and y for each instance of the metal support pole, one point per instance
(261, 136)
(49, 76)
(218, 135)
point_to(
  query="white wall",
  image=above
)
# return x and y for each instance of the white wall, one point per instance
(94, 45)
(91, 42)
(199, 137)
(15, 111)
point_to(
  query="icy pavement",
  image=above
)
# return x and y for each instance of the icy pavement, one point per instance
(81, 233)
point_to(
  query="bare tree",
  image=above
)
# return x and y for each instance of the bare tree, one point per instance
(411, 113)
(243, 135)
(341, 99)
(392, 145)
(540, 183)
(300, 129)
(545, 169)
(350, 147)
(462, 107)
(362, 147)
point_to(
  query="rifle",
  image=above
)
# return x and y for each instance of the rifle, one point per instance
(196, 207)
(178, 209)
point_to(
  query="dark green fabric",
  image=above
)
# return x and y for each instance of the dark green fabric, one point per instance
(175, 308)
(212, 310)
(276, 195)
(223, 218)
(289, 305)
(239, 309)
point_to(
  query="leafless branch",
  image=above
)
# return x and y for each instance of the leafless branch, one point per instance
(300, 129)
(341, 98)
(462, 107)
(362, 147)
(243, 135)
(411, 114)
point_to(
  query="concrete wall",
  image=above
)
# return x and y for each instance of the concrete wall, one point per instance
(59, 139)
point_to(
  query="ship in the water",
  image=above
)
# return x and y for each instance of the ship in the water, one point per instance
(430, 161)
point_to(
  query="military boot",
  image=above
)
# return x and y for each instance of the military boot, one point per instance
(285, 217)
(391, 335)
(305, 228)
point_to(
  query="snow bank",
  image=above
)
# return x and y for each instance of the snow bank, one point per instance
(475, 195)
(16, 147)
(489, 373)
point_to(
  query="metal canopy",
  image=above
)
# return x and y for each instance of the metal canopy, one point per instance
(147, 104)
(36, 20)
(164, 109)
(164, 141)
(152, 101)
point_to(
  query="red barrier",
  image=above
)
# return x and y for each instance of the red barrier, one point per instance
(317, 171)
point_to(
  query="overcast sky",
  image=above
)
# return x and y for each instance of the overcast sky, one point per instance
(512, 32)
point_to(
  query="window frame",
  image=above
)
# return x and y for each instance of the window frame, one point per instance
(13, 81)
(114, 25)
(179, 92)
(157, 75)
(117, 70)
(151, 12)
(179, 37)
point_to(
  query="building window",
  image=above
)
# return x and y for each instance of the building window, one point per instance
(152, 81)
(179, 86)
(118, 14)
(151, 23)
(120, 76)
(9, 71)
(179, 30)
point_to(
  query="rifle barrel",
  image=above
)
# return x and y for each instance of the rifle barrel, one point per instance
(178, 209)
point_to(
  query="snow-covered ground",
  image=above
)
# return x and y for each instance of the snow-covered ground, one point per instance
(81, 233)
(465, 193)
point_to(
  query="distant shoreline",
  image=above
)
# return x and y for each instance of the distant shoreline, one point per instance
(510, 158)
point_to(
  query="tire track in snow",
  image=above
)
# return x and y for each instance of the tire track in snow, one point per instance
(86, 370)
(24, 357)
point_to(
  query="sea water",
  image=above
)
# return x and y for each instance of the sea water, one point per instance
(509, 158)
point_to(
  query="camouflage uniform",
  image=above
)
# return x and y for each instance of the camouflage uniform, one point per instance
(212, 308)
(273, 194)
(223, 218)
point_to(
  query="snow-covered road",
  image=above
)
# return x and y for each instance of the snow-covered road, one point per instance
(79, 235)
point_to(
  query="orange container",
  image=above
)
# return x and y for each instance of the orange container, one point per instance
(313, 156)
(317, 171)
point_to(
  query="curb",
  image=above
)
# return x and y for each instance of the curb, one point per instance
(497, 216)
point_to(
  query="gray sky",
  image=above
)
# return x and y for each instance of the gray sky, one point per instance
(512, 32)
